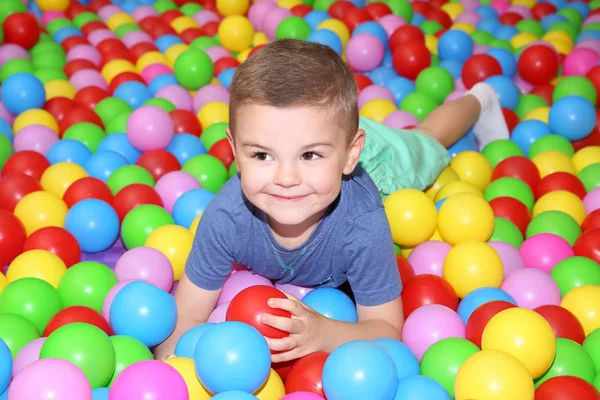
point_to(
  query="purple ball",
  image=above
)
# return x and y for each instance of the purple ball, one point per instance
(37, 138)
(532, 288)
(142, 12)
(85, 52)
(217, 52)
(204, 17)
(524, 86)
(399, 119)
(456, 94)
(468, 16)
(390, 23)
(373, 92)
(258, 11)
(428, 257)
(219, 313)
(364, 52)
(28, 354)
(99, 35)
(150, 128)
(86, 78)
(6, 115)
(521, 10)
(49, 16)
(272, 20)
(134, 37)
(239, 281)
(146, 264)
(297, 291)
(510, 256)
(593, 44)
(470, 4)
(208, 94)
(591, 19)
(108, 11)
(181, 98)
(10, 51)
(173, 185)
(591, 201)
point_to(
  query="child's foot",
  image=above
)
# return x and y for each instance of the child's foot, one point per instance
(490, 125)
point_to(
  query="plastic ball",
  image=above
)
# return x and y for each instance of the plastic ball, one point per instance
(94, 223)
(187, 342)
(149, 379)
(55, 240)
(561, 200)
(572, 117)
(538, 64)
(574, 272)
(584, 303)
(147, 264)
(563, 322)
(305, 375)
(185, 367)
(12, 237)
(332, 303)
(175, 242)
(86, 284)
(74, 314)
(460, 214)
(478, 68)
(193, 69)
(411, 58)
(532, 288)
(236, 33)
(481, 316)
(21, 29)
(571, 360)
(426, 289)
(557, 223)
(412, 217)
(39, 264)
(150, 128)
(566, 386)
(510, 187)
(22, 92)
(58, 177)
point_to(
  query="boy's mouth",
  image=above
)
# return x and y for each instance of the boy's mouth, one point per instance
(287, 198)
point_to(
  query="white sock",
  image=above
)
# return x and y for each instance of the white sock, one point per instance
(490, 125)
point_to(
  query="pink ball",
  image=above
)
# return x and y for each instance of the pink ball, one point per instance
(470, 4)
(110, 296)
(500, 5)
(272, 20)
(149, 379)
(173, 185)
(86, 78)
(302, 396)
(154, 70)
(150, 128)
(364, 52)
(591, 201)
(457, 94)
(99, 35)
(510, 256)
(428, 257)
(297, 291)
(108, 11)
(38, 138)
(6, 115)
(142, 12)
(428, 325)
(85, 52)
(580, 61)
(10, 51)
(532, 288)
(204, 17)
(521, 10)
(134, 37)
(50, 378)
(216, 53)
(468, 16)
(219, 313)
(400, 119)
(28, 354)
(239, 281)
(524, 86)
(390, 23)
(459, 85)
(480, 49)
(145, 264)
(181, 98)
(49, 16)
(373, 92)
(208, 94)
(591, 19)
(258, 11)
(593, 44)
(544, 251)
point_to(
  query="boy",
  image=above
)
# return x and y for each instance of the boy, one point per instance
(301, 210)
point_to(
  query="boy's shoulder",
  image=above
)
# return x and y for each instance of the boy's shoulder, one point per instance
(230, 197)
(360, 194)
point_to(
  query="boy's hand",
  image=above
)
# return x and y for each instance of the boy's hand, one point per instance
(306, 328)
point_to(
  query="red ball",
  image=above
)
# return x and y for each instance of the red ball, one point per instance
(122, 78)
(511, 119)
(75, 8)
(211, 29)
(439, 16)
(540, 10)
(427, 289)
(283, 368)
(92, 26)
(478, 68)
(96, 5)
(117, 55)
(510, 18)
(222, 150)
(142, 48)
(544, 91)
(355, 16)
(421, 7)
(190, 34)
(225, 63)
(26, 162)
(73, 41)
(378, 10)
(12, 237)
(74, 314)
(301, 10)
(147, 23)
(404, 268)
(588, 245)
(518, 167)
(170, 15)
(362, 81)
(592, 221)
(411, 58)
(538, 64)
(566, 388)
(90, 96)
(210, 5)
(158, 162)
(111, 45)
(255, 49)
(512, 210)
(438, 3)
(185, 121)
(77, 65)
(560, 181)
(135, 195)
(58, 241)
(15, 186)
(594, 76)
(250, 305)
(404, 34)
(339, 8)
(87, 188)
(59, 106)
(481, 316)
(306, 374)
(593, 139)
(79, 114)
(21, 29)
(563, 322)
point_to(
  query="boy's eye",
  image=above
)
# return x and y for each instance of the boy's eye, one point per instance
(261, 156)
(310, 156)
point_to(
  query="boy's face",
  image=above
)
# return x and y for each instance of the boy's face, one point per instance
(291, 160)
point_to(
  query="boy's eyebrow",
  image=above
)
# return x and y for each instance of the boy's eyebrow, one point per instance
(309, 146)
(252, 144)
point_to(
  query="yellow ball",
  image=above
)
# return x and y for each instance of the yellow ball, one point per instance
(180, 24)
(525, 335)
(194, 225)
(561, 200)
(406, 252)
(412, 216)
(586, 156)
(473, 167)
(556, 80)
(241, 57)
(453, 10)
(175, 51)
(455, 187)
(337, 27)
(464, 26)
(557, 35)
(522, 39)
(493, 375)
(116, 67)
(215, 81)
(464, 217)
(259, 38)
(289, 4)
(436, 237)
(431, 42)
(232, 7)
(539, 114)
(53, 5)
(57, 178)
(37, 263)
(118, 19)
(472, 265)
(236, 33)
(38, 210)
(149, 58)
(584, 303)
(175, 242)
(3, 282)
(185, 367)
(551, 161)
(212, 113)
(446, 176)
(526, 3)
(377, 109)
(59, 88)
(272, 389)
(35, 116)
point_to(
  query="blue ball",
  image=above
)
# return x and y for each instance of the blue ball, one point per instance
(6, 365)
(4, 395)
(400, 88)
(382, 74)
(572, 117)
(37, 11)
(359, 3)
(559, 4)
(100, 393)
(226, 76)
(438, 205)
(489, 25)
(133, 93)
(418, 387)
(144, 312)
(185, 146)
(191, 204)
(119, 143)
(404, 359)
(22, 92)
(327, 38)
(388, 59)
(69, 150)
(359, 370)
(508, 93)
(186, 345)
(332, 303)
(455, 45)
(165, 41)
(234, 395)
(487, 11)
(479, 297)
(527, 132)
(130, 6)
(552, 19)
(161, 81)
(102, 164)
(6, 130)
(466, 143)
(374, 29)
(315, 17)
(506, 32)
(506, 59)
(232, 356)
(94, 223)
(582, 8)
(452, 66)
(64, 33)
(588, 35)
(417, 19)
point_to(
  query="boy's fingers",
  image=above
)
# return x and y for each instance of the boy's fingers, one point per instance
(285, 344)
(294, 307)
(282, 323)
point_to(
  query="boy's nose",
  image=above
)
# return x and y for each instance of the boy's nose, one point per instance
(287, 175)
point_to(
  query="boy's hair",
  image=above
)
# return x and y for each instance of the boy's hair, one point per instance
(288, 73)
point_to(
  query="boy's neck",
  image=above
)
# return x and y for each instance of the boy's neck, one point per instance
(294, 236)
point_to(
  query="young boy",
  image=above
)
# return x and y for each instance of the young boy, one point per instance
(302, 210)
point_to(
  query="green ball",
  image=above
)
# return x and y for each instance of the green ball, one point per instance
(86, 284)
(16, 331)
(507, 232)
(128, 350)
(431, 27)
(32, 298)
(57, 24)
(86, 346)
(6, 150)
(510, 187)
(124, 29)
(45, 47)
(418, 104)
(209, 170)
(594, 4)
(118, 124)
(193, 69)
(128, 175)
(571, 359)
(554, 222)
(575, 86)
(551, 142)
(402, 8)
(530, 26)
(233, 169)
(527, 103)
(443, 359)
(591, 344)
(594, 26)
(590, 177)
(9, 7)
(573, 16)
(323, 5)
(435, 82)
(83, 18)
(203, 43)
(308, 2)
(50, 74)
(50, 60)
(293, 28)
(87, 133)
(482, 37)
(161, 103)
(141, 221)
(163, 6)
(499, 150)
(110, 107)
(190, 9)
(574, 272)
(501, 44)
(213, 134)
(596, 382)
(566, 27)
(15, 66)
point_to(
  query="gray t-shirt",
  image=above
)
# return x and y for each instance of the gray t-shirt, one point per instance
(352, 243)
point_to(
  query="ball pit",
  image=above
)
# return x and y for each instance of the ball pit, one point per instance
(113, 118)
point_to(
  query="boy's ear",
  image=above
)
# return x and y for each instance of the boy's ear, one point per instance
(230, 140)
(354, 151)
